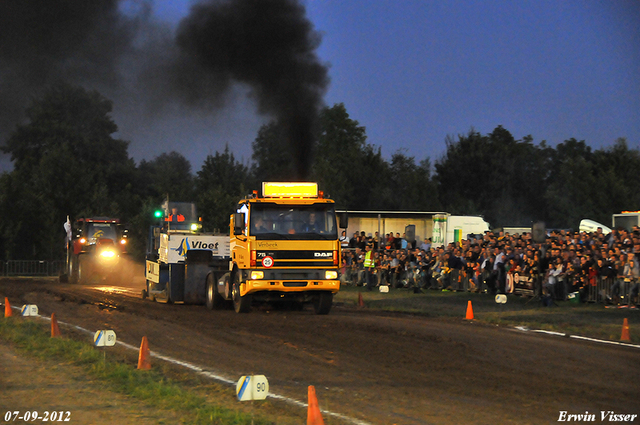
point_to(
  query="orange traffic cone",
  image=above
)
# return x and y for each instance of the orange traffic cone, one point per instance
(55, 329)
(313, 411)
(360, 300)
(143, 357)
(625, 331)
(7, 308)
(469, 311)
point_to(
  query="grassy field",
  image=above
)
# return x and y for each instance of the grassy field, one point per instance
(192, 399)
(584, 319)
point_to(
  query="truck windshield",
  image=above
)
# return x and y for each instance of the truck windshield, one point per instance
(97, 231)
(273, 221)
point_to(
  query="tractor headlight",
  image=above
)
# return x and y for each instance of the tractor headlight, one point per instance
(257, 275)
(107, 254)
(330, 275)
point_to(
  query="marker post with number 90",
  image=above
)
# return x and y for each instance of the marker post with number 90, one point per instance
(255, 387)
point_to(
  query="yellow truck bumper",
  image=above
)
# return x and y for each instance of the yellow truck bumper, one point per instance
(252, 286)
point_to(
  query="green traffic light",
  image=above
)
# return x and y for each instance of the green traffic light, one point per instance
(158, 214)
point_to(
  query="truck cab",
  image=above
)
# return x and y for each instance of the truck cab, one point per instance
(284, 247)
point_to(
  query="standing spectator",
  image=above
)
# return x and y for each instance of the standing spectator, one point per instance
(618, 284)
(359, 267)
(394, 269)
(390, 242)
(633, 273)
(353, 242)
(385, 264)
(362, 241)
(373, 240)
(491, 274)
(436, 267)
(426, 245)
(405, 243)
(369, 266)
(470, 268)
(552, 279)
(500, 271)
(344, 240)
(348, 267)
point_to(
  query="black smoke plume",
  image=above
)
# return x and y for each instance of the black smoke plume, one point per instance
(267, 46)
(44, 42)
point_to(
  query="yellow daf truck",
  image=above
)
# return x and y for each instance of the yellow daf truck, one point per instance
(284, 247)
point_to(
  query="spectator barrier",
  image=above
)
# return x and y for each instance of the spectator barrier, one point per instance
(31, 268)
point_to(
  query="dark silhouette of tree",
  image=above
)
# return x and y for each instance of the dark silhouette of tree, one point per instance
(350, 170)
(569, 193)
(409, 186)
(65, 163)
(220, 184)
(494, 175)
(168, 174)
(617, 180)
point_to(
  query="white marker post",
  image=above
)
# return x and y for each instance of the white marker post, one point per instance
(255, 387)
(104, 339)
(501, 299)
(29, 310)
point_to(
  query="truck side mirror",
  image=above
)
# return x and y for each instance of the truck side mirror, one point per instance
(343, 220)
(238, 223)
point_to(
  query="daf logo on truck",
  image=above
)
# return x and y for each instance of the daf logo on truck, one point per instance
(323, 254)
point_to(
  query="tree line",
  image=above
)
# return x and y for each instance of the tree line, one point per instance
(66, 162)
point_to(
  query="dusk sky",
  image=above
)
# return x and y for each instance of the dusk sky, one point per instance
(414, 72)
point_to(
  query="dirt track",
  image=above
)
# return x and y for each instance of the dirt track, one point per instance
(382, 369)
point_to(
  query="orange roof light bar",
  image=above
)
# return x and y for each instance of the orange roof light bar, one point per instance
(289, 190)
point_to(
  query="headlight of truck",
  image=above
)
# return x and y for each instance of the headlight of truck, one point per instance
(330, 274)
(107, 254)
(257, 275)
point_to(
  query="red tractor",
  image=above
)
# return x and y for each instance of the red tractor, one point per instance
(96, 252)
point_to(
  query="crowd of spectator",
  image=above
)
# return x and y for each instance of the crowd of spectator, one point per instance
(593, 267)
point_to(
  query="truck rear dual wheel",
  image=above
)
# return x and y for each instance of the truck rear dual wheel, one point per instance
(241, 304)
(214, 299)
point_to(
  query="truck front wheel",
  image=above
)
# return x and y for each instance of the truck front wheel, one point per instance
(240, 304)
(322, 302)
